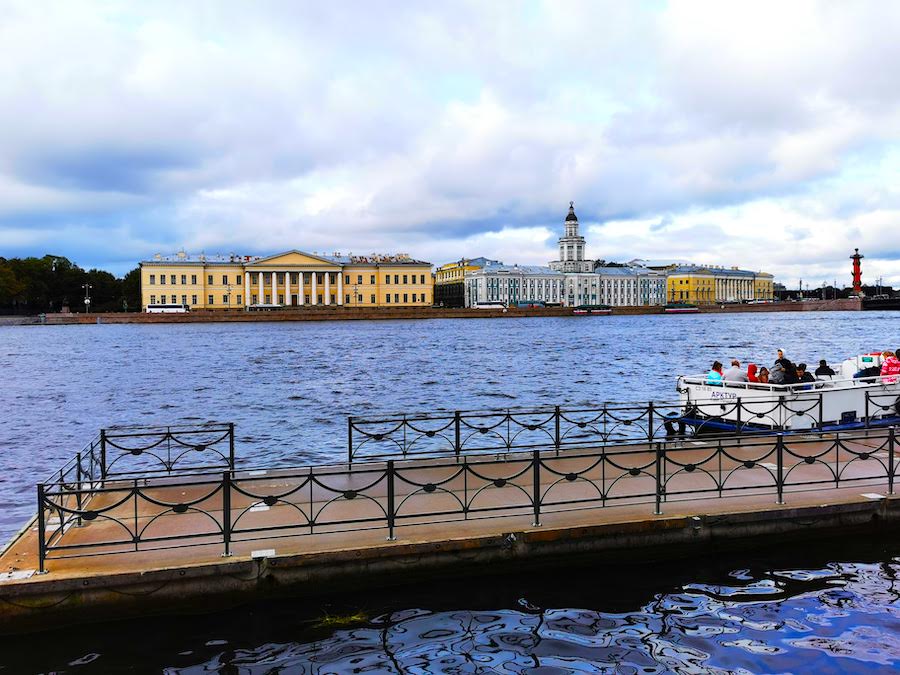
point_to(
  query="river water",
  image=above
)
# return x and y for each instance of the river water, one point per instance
(289, 387)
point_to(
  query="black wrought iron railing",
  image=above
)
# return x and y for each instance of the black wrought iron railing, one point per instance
(456, 433)
(221, 509)
(129, 452)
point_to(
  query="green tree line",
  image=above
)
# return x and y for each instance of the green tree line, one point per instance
(50, 283)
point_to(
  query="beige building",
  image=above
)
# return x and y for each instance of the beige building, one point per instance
(290, 279)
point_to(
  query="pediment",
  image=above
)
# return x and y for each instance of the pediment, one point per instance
(293, 259)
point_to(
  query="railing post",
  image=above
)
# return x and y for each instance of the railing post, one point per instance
(103, 454)
(781, 409)
(226, 513)
(779, 460)
(457, 443)
(556, 438)
(78, 495)
(42, 531)
(231, 445)
(536, 487)
(659, 478)
(739, 424)
(349, 440)
(821, 411)
(891, 436)
(391, 507)
(650, 423)
(867, 410)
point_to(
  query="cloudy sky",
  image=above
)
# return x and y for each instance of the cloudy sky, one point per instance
(765, 135)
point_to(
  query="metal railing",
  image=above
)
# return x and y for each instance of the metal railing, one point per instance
(456, 433)
(129, 452)
(222, 509)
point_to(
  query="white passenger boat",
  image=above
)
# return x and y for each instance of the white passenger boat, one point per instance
(831, 403)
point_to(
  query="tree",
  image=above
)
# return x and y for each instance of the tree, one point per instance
(131, 290)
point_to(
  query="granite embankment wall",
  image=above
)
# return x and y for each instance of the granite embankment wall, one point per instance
(336, 313)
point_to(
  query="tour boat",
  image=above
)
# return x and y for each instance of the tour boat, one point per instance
(830, 403)
(680, 308)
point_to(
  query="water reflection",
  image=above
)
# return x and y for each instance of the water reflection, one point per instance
(844, 616)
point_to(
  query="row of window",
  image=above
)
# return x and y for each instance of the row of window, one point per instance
(280, 276)
(226, 300)
(173, 279)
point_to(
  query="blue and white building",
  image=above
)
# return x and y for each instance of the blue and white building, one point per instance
(569, 281)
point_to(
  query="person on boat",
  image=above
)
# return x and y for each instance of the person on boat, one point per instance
(751, 373)
(776, 375)
(790, 373)
(735, 373)
(780, 357)
(715, 374)
(803, 375)
(824, 369)
(890, 367)
(763, 375)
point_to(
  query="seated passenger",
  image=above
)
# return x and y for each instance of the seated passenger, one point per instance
(803, 375)
(715, 375)
(824, 369)
(751, 373)
(776, 375)
(890, 367)
(763, 375)
(790, 373)
(735, 373)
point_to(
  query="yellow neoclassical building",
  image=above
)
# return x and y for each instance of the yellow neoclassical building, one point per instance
(290, 279)
(705, 285)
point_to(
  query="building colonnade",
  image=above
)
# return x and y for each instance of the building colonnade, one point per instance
(287, 287)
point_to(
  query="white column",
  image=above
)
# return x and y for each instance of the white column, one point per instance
(287, 288)
(300, 288)
(246, 288)
(340, 292)
(312, 289)
(274, 287)
(327, 288)
(262, 295)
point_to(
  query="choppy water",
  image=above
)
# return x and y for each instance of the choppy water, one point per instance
(290, 386)
(785, 612)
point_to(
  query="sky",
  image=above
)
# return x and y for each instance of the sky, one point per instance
(764, 135)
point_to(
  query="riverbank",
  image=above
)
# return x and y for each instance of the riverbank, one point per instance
(342, 313)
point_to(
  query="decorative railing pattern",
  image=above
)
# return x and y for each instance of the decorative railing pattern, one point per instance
(221, 509)
(128, 452)
(456, 433)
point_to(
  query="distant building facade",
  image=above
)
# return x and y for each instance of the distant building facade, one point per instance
(510, 284)
(704, 285)
(290, 279)
(450, 280)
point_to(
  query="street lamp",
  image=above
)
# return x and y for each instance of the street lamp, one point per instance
(355, 296)
(87, 296)
(228, 304)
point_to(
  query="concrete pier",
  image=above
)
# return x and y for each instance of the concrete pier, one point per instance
(320, 530)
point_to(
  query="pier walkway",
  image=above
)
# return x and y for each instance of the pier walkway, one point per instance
(103, 541)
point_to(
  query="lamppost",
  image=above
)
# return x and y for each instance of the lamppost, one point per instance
(355, 296)
(87, 297)
(228, 304)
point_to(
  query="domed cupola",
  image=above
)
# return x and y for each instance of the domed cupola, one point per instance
(571, 215)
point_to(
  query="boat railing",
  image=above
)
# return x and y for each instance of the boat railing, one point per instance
(830, 383)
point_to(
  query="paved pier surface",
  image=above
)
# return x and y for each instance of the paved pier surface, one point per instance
(605, 508)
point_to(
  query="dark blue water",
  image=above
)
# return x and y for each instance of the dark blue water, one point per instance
(290, 386)
(791, 611)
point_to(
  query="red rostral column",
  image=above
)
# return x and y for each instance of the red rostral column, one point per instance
(857, 271)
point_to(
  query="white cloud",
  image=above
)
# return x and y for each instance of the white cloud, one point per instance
(761, 135)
